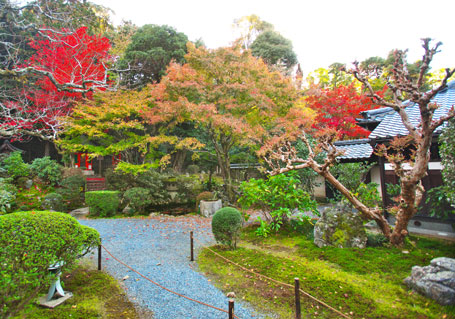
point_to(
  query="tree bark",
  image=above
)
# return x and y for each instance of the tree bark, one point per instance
(47, 147)
(367, 212)
(222, 155)
(179, 160)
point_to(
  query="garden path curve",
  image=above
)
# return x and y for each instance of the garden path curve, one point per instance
(158, 247)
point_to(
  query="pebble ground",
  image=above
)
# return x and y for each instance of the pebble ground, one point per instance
(159, 248)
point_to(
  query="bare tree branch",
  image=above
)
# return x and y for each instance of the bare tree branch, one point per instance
(409, 155)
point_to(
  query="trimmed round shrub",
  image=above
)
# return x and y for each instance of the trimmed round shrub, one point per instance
(102, 203)
(30, 242)
(138, 199)
(47, 170)
(53, 201)
(203, 196)
(226, 225)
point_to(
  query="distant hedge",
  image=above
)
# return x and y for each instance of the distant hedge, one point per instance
(102, 203)
(30, 242)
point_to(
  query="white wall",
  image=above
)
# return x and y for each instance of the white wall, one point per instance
(319, 189)
(375, 173)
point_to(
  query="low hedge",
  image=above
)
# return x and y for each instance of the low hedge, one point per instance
(102, 203)
(30, 242)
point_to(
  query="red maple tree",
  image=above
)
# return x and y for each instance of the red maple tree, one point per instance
(337, 108)
(70, 66)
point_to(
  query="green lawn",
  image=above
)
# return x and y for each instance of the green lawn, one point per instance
(363, 283)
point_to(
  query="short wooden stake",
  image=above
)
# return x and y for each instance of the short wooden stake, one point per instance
(298, 314)
(192, 246)
(231, 308)
(99, 256)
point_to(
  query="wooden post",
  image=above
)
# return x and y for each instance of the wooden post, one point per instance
(298, 314)
(99, 256)
(231, 308)
(191, 246)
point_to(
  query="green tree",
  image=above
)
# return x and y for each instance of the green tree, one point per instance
(274, 49)
(330, 78)
(151, 50)
(277, 197)
(120, 38)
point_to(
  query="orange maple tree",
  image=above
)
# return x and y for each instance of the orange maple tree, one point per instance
(231, 97)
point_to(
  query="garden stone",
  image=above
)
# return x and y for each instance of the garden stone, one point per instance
(127, 210)
(297, 213)
(209, 208)
(340, 226)
(444, 263)
(28, 184)
(80, 212)
(436, 281)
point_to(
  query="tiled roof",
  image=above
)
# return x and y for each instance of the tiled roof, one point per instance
(354, 149)
(392, 125)
(376, 115)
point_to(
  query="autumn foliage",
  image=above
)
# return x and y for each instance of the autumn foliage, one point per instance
(114, 123)
(230, 96)
(337, 108)
(69, 65)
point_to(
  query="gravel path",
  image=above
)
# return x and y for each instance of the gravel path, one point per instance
(158, 247)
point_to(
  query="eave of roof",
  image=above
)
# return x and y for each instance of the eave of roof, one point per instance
(354, 149)
(392, 125)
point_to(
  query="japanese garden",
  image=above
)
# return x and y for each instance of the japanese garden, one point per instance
(146, 175)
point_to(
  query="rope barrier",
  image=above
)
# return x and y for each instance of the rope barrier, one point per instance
(275, 281)
(162, 287)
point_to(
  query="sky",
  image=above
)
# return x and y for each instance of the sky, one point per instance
(322, 31)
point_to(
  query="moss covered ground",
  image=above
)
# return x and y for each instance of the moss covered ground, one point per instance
(95, 295)
(362, 283)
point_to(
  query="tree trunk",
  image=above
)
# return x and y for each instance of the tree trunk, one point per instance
(179, 160)
(411, 195)
(47, 148)
(368, 213)
(225, 164)
(209, 182)
(222, 147)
